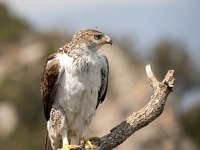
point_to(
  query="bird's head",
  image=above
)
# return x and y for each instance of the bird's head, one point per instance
(91, 39)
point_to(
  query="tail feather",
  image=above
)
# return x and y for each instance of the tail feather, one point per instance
(47, 143)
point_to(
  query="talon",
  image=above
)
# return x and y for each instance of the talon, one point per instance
(89, 145)
(88, 142)
(82, 141)
(69, 147)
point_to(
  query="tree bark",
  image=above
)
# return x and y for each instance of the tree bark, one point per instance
(139, 119)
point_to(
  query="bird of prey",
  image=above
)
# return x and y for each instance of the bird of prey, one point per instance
(73, 84)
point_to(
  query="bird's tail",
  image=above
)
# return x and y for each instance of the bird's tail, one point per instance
(47, 143)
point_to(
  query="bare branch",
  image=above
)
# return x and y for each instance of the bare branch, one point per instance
(152, 79)
(141, 118)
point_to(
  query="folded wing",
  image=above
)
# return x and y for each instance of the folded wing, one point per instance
(104, 80)
(49, 83)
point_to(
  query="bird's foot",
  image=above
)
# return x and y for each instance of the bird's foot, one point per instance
(88, 142)
(82, 141)
(70, 147)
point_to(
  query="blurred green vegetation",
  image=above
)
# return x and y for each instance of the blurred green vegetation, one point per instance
(190, 122)
(173, 55)
(20, 85)
(11, 27)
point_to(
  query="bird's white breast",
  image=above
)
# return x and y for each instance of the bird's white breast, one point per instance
(78, 87)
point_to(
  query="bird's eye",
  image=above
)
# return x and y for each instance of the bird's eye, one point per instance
(97, 37)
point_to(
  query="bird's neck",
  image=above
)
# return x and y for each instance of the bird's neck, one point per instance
(77, 50)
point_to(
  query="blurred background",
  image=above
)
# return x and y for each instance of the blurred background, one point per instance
(164, 33)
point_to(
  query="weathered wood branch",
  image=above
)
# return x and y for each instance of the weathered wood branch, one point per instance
(141, 118)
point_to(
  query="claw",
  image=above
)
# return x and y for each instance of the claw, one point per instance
(82, 141)
(88, 142)
(69, 147)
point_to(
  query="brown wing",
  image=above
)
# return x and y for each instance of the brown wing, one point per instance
(104, 80)
(49, 83)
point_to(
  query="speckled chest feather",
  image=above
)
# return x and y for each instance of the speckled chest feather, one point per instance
(78, 89)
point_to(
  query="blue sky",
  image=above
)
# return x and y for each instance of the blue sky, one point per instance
(147, 21)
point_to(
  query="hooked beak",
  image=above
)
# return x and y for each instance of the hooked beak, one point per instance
(107, 40)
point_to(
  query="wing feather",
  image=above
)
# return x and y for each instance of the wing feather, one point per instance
(104, 80)
(49, 82)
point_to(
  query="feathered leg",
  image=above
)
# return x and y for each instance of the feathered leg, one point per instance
(56, 127)
(54, 139)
